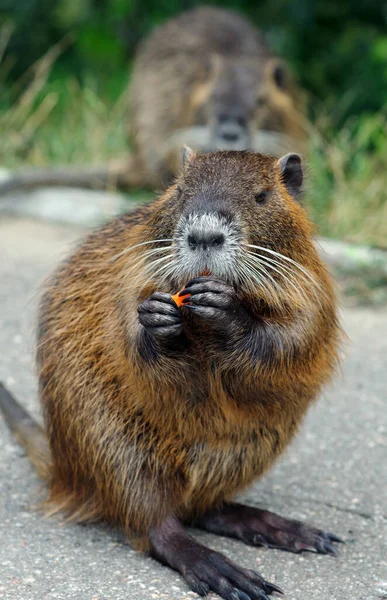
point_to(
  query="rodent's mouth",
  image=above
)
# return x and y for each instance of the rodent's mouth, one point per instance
(223, 266)
(206, 243)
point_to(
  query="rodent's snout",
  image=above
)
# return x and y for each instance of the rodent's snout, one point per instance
(207, 242)
(231, 132)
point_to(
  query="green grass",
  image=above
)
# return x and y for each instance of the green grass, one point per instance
(47, 117)
(65, 123)
(347, 191)
(46, 120)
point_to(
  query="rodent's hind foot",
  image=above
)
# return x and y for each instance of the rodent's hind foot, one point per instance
(204, 569)
(258, 527)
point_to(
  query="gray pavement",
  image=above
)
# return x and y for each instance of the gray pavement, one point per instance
(334, 475)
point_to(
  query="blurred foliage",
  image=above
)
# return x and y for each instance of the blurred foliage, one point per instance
(337, 47)
(346, 194)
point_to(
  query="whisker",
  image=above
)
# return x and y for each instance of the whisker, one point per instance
(251, 278)
(290, 260)
(256, 279)
(137, 246)
(266, 276)
(169, 272)
(177, 271)
(155, 274)
(287, 268)
(242, 273)
(261, 267)
(269, 262)
(286, 275)
(154, 251)
(135, 260)
(152, 264)
(284, 267)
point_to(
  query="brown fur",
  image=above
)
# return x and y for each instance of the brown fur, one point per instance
(134, 440)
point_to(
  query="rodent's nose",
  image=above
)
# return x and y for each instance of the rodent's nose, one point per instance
(230, 136)
(231, 130)
(205, 241)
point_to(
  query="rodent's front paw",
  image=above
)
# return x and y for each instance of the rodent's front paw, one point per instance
(160, 316)
(211, 298)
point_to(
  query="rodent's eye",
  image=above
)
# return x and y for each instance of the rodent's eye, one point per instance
(261, 101)
(261, 198)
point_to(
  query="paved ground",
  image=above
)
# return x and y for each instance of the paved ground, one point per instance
(335, 475)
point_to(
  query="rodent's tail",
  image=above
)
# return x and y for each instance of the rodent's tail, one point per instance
(28, 432)
(122, 174)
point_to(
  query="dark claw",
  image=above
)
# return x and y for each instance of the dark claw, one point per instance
(262, 595)
(259, 540)
(238, 595)
(190, 306)
(199, 279)
(270, 588)
(329, 549)
(325, 547)
(201, 589)
(200, 565)
(260, 527)
(334, 538)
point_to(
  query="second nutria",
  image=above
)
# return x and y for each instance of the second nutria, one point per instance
(206, 78)
(157, 415)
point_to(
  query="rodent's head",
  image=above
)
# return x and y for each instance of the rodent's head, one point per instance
(246, 104)
(237, 216)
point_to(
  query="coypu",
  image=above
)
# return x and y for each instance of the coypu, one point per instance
(217, 86)
(205, 78)
(157, 415)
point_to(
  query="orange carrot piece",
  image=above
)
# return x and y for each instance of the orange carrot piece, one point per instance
(178, 300)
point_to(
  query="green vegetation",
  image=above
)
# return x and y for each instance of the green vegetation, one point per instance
(65, 101)
(338, 48)
(347, 191)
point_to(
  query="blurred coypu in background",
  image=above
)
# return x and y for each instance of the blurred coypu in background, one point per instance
(206, 78)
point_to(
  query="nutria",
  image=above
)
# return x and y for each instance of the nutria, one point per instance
(157, 415)
(206, 78)
(217, 85)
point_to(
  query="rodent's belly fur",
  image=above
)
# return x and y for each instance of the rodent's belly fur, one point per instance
(104, 436)
(214, 444)
(122, 443)
(216, 472)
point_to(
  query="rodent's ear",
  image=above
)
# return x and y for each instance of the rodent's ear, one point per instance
(277, 73)
(281, 75)
(188, 154)
(291, 173)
